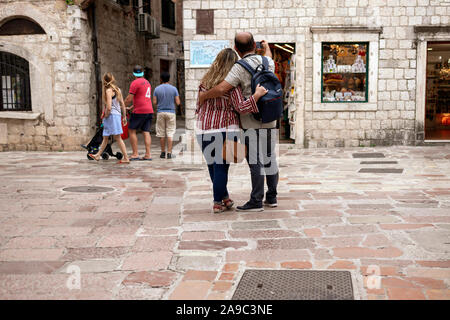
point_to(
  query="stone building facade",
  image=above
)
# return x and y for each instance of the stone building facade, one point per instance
(76, 45)
(396, 32)
(167, 51)
(60, 71)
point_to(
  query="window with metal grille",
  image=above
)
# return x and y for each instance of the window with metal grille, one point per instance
(142, 6)
(168, 14)
(124, 2)
(146, 6)
(15, 93)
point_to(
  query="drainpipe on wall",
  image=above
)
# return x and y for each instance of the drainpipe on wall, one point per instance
(92, 15)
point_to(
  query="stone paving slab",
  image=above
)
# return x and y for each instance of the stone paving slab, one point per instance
(154, 235)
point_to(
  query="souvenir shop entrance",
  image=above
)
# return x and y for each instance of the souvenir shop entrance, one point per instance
(283, 55)
(437, 109)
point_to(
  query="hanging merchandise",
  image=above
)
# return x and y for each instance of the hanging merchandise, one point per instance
(292, 108)
(283, 58)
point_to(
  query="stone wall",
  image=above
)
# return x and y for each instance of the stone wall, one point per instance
(120, 46)
(60, 76)
(62, 73)
(173, 39)
(393, 121)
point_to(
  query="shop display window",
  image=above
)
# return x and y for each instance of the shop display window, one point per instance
(437, 111)
(345, 72)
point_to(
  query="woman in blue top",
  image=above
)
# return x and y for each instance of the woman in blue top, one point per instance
(114, 114)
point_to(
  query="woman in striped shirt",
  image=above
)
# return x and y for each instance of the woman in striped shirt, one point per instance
(218, 118)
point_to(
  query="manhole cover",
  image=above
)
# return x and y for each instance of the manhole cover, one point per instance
(294, 285)
(187, 169)
(368, 155)
(380, 170)
(379, 162)
(88, 189)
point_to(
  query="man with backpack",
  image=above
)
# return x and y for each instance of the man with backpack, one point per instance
(260, 136)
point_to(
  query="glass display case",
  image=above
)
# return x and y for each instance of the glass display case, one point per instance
(345, 72)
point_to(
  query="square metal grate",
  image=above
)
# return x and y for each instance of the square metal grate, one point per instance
(88, 189)
(294, 285)
(368, 155)
(379, 162)
(187, 169)
(380, 170)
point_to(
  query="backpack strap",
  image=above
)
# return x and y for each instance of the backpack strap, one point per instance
(246, 66)
(265, 62)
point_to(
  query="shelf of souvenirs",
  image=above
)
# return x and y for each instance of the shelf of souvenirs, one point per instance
(344, 72)
(438, 77)
(443, 74)
(344, 96)
(336, 84)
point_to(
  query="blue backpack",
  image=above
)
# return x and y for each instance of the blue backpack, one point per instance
(270, 106)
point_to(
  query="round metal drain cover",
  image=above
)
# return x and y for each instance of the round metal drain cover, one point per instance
(187, 169)
(88, 189)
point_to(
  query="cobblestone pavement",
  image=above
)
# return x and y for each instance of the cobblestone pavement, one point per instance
(154, 236)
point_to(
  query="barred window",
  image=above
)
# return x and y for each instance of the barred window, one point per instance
(15, 94)
(142, 6)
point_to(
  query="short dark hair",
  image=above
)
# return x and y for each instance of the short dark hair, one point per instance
(165, 76)
(244, 47)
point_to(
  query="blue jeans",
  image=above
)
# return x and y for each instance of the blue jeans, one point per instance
(212, 144)
(261, 159)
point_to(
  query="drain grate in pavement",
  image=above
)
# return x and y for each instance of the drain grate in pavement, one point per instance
(88, 189)
(187, 169)
(379, 162)
(368, 155)
(294, 285)
(380, 170)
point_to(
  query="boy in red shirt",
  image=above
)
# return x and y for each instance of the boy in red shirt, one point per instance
(142, 113)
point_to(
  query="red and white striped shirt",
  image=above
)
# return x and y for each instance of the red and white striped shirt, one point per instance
(218, 113)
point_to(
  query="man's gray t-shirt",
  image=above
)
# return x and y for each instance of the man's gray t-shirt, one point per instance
(239, 76)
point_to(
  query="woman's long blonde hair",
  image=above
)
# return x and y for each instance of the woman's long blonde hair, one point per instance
(219, 68)
(110, 82)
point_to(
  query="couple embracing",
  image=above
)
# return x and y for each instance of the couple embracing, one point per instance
(226, 105)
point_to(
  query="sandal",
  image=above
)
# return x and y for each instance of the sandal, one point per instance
(218, 208)
(123, 162)
(228, 203)
(93, 157)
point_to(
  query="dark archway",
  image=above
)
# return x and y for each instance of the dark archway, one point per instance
(20, 26)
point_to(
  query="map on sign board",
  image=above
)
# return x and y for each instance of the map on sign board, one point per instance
(203, 52)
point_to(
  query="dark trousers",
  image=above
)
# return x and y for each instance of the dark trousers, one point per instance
(212, 145)
(261, 159)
